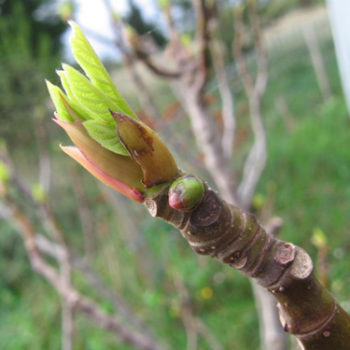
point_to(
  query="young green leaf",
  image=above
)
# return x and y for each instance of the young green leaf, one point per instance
(75, 105)
(94, 102)
(105, 135)
(55, 94)
(94, 69)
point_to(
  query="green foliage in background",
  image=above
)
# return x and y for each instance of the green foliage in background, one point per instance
(29, 47)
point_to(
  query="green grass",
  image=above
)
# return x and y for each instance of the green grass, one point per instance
(310, 170)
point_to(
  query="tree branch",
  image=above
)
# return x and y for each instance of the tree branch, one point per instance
(68, 293)
(202, 41)
(174, 35)
(57, 252)
(193, 324)
(155, 68)
(208, 140)
(312, 43)
(59, 278)
(144, 261)
(256, 160)
(135, 50)
(44, 156)
(85, 213)
(225, 232)
(261, 55)
(227, 99)
(240, 59)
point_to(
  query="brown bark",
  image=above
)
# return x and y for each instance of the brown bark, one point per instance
(225, 232)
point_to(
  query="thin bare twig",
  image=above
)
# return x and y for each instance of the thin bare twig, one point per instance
(100, 287)
(192, 323)
(262, 62)
(85, 214)
(208, 140)
(312, 43)
(60, 278)
(44, 156)
(285, 112)
(255, 88)
(202, 42)
(146, 98)
(57, 252)
(132, 238)
(60, 254)
(67, 310)
(68, 293)
(240, 60)
(273, 226)
(174, 35)
(155, 68)
(227, 99)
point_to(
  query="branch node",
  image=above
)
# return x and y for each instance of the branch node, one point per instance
(303, 266)
(208, 211)
(285, 255)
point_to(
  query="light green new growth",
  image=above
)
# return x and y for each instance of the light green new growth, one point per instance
(92, 100)
(109, 135)
(89, 98)
(61, 110)
(94, 69)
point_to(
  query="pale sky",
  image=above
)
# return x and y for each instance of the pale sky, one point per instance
(92, 15)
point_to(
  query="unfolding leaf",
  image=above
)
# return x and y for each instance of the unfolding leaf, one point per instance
(94, 69)
(64, 81)
(106, 135)
(72, 102)
(90, 98)
(55, 94)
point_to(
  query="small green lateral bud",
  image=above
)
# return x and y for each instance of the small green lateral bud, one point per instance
(186, 192)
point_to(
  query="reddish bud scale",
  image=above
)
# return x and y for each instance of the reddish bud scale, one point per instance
(176, 200)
